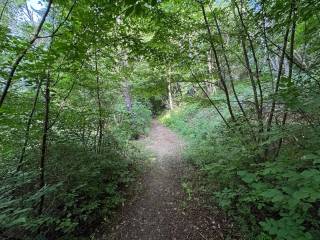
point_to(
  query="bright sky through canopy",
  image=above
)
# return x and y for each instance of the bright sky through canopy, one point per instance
(35, 4)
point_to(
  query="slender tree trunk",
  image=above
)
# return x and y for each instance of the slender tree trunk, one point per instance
(83, 134)
(126, 88)
(95, 145)
(3, 9)
(281, 60)
(56, 118)
(100, 126)
(267, 46)
(222, 80)
(170, 96)
(257, 72)
(253, 84)
(209, 86)
(169, 91)
(22, 55)
(228, 66)
(292, 40)
(179, 89)
(210, 100)
(27, 131)
(127, 95)
(44, 142)
(248, 67)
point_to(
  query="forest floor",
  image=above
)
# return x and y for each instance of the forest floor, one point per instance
(162, 209)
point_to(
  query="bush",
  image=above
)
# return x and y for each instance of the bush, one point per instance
(132, 124)
(82, 188)
(270, 198)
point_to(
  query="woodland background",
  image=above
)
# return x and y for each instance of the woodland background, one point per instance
(82, 79)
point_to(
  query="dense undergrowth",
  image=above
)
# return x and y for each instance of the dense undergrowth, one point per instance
(83, 186)
(269, 196)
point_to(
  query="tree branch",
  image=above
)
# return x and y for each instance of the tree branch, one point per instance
(22, 54)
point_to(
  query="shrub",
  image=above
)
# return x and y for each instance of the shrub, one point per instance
(132, 124)
(82, 188)
(270, 198)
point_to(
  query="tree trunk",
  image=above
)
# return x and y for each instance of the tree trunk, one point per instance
(22, 55)
(98, 92)
(257, 71)
(126, 88)
(222, 80)
(249, 70)
(4, 7)
(290, 70)
(27, 132)
(268, 58)
(44, 142)
(127, 95)
(281, 60)
(228, 67)
(170, 94)
(208, 97)
(210, 88)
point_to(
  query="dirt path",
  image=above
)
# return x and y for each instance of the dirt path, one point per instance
(161, 211)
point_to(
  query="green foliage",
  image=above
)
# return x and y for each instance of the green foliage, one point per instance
(107, 66)
(132, 124)
(269, 198)
(82, 188)
(88, 158)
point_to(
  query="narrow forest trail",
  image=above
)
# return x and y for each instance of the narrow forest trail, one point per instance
(161, 210)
